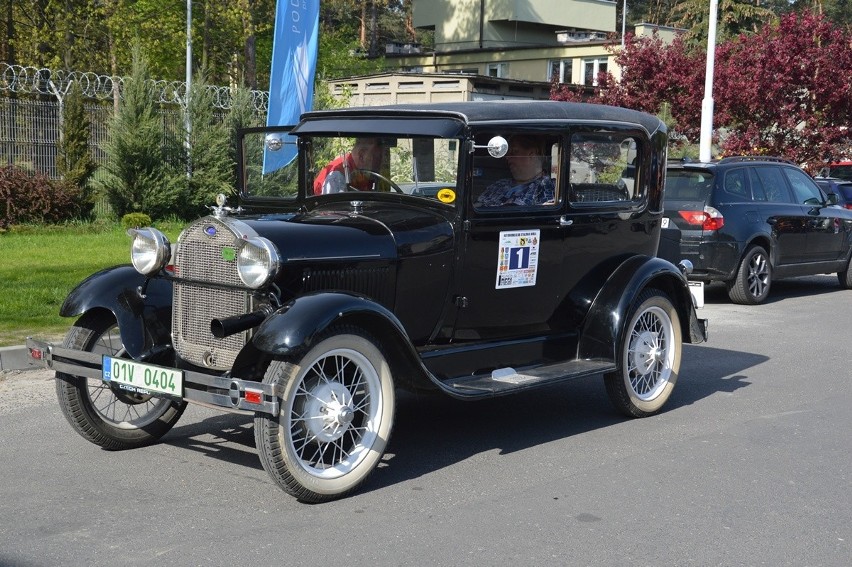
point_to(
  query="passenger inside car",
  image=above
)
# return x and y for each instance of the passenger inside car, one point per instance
(530, 182)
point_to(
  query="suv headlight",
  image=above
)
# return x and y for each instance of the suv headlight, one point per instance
(257, 261)
(150, 250)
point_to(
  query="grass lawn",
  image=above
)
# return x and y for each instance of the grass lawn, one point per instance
(41, 265)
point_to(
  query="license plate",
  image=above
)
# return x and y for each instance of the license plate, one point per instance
(665, 222)
(697, 290)
(142, 378)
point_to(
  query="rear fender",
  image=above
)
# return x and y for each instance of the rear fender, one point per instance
(144, 321)
(606, 321)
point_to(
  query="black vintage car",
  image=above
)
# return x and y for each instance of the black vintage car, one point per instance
(331, 286)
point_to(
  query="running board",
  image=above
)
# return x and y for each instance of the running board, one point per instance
(506, 380)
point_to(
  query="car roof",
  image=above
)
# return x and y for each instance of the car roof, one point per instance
(502, 111)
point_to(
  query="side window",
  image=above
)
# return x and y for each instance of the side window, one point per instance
(736, 184)
(757, 191)
(527, 176)
(774, 184)
(603, 168)
(805, 190)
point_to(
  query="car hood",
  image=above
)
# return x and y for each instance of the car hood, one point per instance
(345, 230)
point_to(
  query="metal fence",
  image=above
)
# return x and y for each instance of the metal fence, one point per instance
(30, 111)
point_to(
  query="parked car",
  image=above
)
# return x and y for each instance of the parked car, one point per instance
(840, 169)
(747, 221)
(841, 188)
(311, 302)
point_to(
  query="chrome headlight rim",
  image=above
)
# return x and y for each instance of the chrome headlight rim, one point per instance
(150, 250)
(258, 262)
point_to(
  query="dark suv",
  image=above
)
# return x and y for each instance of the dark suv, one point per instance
(748, 220)
(331, 286)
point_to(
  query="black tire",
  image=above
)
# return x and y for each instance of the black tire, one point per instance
(108, 417)
(754, 278)
(648, 357)
(845, 277)
(337, 412)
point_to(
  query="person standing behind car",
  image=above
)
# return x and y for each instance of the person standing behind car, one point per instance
(344, 173)
(530, 184)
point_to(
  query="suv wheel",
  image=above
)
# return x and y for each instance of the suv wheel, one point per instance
(845, 276)
(754, 276)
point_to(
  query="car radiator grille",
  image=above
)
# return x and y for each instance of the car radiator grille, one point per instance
(205, 258)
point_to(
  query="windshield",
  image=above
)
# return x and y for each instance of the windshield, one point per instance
(422, 167)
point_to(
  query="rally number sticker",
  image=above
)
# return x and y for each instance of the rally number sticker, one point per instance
(517, 258)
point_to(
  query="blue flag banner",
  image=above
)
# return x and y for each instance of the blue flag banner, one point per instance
(294, 63)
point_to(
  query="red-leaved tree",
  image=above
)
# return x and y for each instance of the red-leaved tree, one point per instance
(783, 91)
(653, 75)
(786, 91)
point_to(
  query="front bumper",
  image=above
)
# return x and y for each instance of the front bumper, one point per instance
(217, 391)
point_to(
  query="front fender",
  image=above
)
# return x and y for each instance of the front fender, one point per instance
(143, 321)
(296, 326)
(605, 323)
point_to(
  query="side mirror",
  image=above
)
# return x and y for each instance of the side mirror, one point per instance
(274, 142)
(497, 147)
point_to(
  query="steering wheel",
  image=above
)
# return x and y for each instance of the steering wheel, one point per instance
(376, 177)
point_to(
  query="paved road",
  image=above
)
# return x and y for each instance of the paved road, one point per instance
(749, 465)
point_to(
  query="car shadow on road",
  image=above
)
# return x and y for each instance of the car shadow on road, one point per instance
(780, 290)
(433, 431)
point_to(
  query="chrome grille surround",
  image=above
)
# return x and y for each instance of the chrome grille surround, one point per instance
(208, 287)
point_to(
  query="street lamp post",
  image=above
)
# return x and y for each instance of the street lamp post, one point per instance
(706, 137)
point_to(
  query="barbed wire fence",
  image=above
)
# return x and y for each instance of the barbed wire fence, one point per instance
(31, 101)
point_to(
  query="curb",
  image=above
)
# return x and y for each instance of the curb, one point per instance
(16, 358)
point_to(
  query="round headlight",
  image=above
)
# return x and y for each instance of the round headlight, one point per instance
(150, 250)
(257, 261)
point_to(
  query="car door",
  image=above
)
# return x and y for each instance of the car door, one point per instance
(786, 219)
(512, 256)
(825, 234)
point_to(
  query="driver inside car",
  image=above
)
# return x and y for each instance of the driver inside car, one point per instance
(352, 170)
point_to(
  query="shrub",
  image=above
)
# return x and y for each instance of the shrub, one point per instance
(27, 197)
(135, 220)
(140, 174)
(73, 159)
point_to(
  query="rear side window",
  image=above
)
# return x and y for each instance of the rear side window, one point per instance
(774, 184)
(603, 168)
(736, 184)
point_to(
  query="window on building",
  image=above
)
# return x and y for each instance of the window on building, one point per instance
(497, 70)
(560, 70)
(592, 68)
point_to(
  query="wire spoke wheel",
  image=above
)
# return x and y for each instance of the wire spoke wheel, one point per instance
(335, 420)
(333, 413)
(648, 357)
(103, 413)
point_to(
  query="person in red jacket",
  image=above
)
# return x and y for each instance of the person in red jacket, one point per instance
(345, 172)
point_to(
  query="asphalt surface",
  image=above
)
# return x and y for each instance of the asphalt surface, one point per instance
(749, 464)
